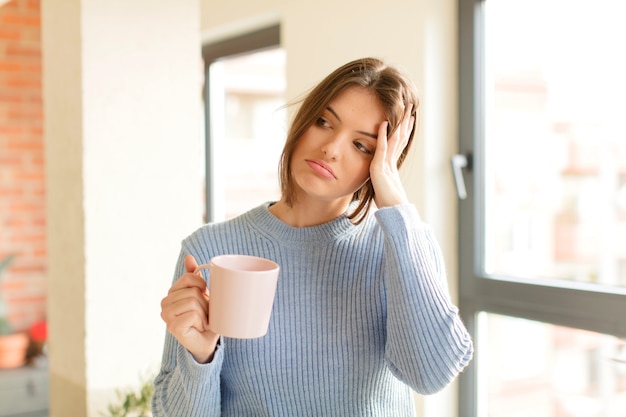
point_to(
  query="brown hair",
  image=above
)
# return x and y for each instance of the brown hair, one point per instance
(394, 90)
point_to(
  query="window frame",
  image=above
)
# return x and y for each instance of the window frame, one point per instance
(585, 306)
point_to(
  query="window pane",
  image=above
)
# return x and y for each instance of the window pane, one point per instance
(247, 130)
(535, 369)
(555, 188)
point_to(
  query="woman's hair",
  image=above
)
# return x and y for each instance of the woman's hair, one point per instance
(394, 90)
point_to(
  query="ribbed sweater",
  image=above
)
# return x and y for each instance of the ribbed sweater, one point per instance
(361, 316)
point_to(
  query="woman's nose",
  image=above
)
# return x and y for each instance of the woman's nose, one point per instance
(331, 148)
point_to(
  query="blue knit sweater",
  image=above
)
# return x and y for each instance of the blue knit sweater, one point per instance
(361, 317)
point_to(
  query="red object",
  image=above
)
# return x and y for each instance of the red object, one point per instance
(39, 332)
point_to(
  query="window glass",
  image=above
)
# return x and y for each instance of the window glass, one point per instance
(248, 130)
(555, 173)
(536, 369)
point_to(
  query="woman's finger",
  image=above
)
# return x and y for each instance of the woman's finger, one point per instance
(188, 280)
(183, 323)
(185, 302)
(402, 134)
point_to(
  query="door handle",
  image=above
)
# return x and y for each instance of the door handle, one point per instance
(459, 162)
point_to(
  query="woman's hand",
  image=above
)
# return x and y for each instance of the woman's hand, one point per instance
(384, 169)
(185, 310)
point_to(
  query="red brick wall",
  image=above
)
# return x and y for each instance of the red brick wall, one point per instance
(22, 184)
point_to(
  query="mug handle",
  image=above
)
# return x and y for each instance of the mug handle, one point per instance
(201, 267)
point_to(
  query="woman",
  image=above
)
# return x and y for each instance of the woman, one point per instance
(362, 314)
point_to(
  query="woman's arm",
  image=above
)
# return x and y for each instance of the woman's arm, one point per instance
(427, 344)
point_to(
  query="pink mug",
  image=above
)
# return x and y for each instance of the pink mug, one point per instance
(241, 294)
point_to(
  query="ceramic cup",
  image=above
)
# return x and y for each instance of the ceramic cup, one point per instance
(241, 291)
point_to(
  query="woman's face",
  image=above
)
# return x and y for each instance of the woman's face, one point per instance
(332, 158)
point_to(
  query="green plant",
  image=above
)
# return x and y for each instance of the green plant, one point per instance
(133, 404)
(5, 326)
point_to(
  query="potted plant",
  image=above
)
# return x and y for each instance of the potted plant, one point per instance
(133, 403)
(13, 344)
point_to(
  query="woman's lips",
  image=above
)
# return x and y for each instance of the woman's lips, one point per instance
(321, 167)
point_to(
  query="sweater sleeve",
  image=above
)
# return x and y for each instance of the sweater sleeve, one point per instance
(183, 387)
(427, 344)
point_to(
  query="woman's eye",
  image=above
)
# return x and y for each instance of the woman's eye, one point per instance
(362, 148)
(322, 122)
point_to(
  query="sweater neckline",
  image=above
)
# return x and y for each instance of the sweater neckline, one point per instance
(267, 223)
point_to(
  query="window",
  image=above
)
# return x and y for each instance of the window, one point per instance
(246, 122)
(542, 230)
(530, 368)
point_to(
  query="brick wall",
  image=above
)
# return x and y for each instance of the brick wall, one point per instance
(22, 185)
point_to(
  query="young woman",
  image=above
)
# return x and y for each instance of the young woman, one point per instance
(362, 314)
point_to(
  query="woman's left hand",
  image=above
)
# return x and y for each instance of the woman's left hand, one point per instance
(384, 167)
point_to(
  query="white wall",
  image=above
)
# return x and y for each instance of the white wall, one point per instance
(418, 35)
(123, 129)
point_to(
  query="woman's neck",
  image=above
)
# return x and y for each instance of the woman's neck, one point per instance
(306, 213)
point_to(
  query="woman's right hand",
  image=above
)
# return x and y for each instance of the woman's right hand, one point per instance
(185, 310)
